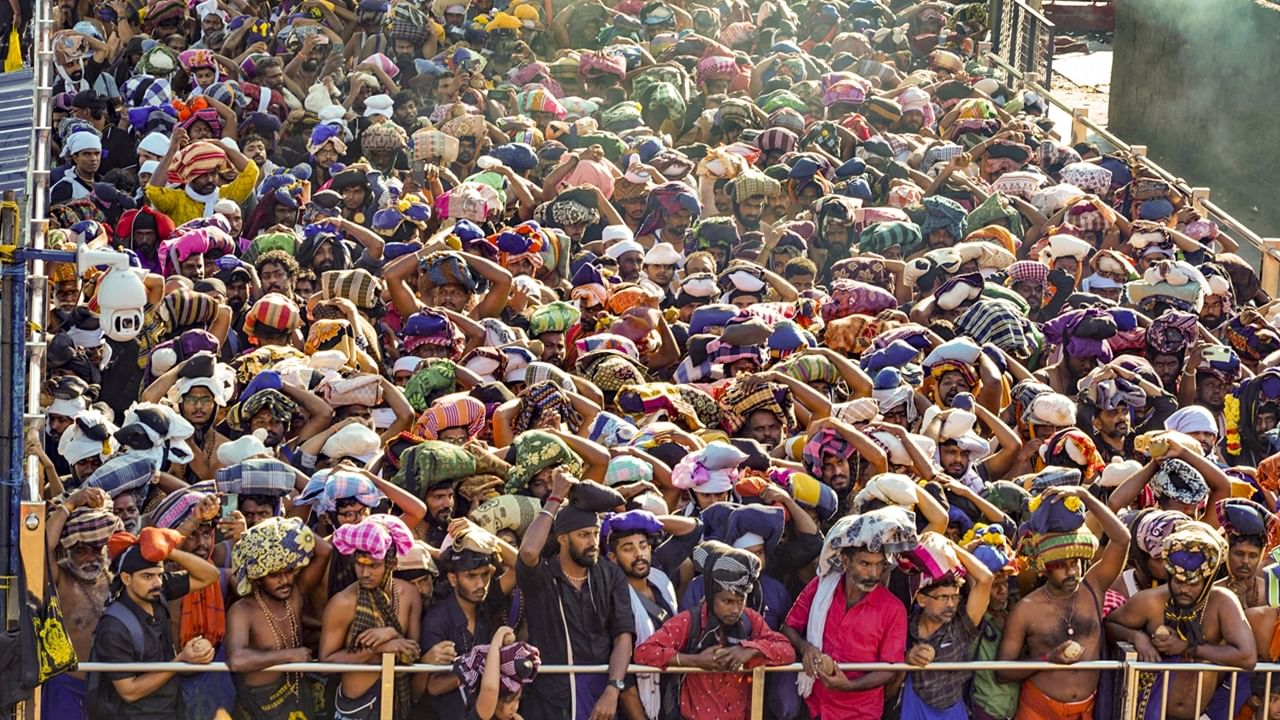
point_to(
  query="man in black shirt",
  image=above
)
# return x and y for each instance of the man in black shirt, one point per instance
(135, 627)
(458, 619)
(583, 612)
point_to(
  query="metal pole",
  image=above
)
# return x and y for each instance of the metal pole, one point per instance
(1130, 684)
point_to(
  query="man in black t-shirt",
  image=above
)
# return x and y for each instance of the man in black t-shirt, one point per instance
(135, 627)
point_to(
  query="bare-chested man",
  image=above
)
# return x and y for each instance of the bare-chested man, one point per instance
(1190, 619)
(76, 535)
(1246, 524)
(272, 562)
(1058, 622)
(376, 614)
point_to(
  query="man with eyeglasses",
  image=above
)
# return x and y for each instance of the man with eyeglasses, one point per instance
(939, 632)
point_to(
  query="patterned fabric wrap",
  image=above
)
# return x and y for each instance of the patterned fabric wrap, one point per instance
(519, 663)
(327, 487)
(275, 311)
(89, 526)
(256, 476)
(540, 399)
(1042, 548)
(1173, 332)
(998, 323)
(826, 442)
(741, 399)
(433, 463)
(1194, 552)
(450, 412)
(438, 376)
(374, 536)
(944, 214)
(849, 297)
(537, 450)
(889, 530)
(274, 545)
(1178, 480)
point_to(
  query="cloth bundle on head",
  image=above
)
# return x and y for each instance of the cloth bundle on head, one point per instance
(374, 536)
(89, 526)
(849, 297)
(889, 530)
(1194, 552)
(1057, 533)
(1172, 332)
(537, 450)
(121, 474)
(889, 489)
(149, 548)
(1241, 518)
(88, 435)
(256, 476)
(629, 523)
(1104, 390)
(432, 327)
(1192, 419)
(451, 411)
(1050, 408)
(274, 311)
(1177, 480)
(724, 568)
(431, 464)
(1151, 526)
(272, 546)
(1173, 283)
(1082, 333)
(713, 469)
(822, 443)
(934, 558)
(1071, 447)
(556, 316)
(327, 487)
(741, 399)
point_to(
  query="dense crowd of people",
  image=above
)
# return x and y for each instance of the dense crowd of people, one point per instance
(702, 334)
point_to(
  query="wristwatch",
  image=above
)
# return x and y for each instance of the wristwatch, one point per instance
(618, 685)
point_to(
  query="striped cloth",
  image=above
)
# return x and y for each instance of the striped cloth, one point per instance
(359, 286)
(89, 526)
(275, 311)
(374, 536)
(199, 158)
(121, 474)
(451, 412)
(174, 508)
(998, 323)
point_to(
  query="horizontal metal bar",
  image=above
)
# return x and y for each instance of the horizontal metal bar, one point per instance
(1097, 665)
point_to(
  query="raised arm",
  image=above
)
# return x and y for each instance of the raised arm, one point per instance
(535, 538)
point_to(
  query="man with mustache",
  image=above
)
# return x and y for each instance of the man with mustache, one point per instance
(270, 562)
(136, 627)
(939, 632)
(77, 533)
(845, 615)
(583, 605)
(1058, 621)
(1190, 619)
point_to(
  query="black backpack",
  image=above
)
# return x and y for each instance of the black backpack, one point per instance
(101, 701)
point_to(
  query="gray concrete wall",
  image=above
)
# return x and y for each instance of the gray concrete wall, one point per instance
(1198, 82)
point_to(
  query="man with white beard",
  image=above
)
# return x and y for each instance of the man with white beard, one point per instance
(76, 535)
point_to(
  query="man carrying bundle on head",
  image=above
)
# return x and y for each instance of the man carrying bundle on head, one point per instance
(1058, 622)
(718, 634)
(376, 614)
(1188, 620)
(265, 628)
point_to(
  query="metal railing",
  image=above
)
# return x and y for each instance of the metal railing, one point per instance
(1128, 693)
(1023, 38)
(1081, 126)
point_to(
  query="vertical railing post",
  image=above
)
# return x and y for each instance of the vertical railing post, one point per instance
(1079, 133)
(1270, 275)
(1129, 683)
(757, 693)
(387, 696)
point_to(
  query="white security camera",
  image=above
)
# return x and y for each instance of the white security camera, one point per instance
(122, 294)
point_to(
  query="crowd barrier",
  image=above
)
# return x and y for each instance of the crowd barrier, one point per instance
(1128, 693)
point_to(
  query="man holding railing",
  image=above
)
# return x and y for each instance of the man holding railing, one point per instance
(1058, 623)
(845, 615)
(1188, 620)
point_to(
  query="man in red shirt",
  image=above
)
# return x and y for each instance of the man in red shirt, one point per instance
(845, 615)
(719, 633)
